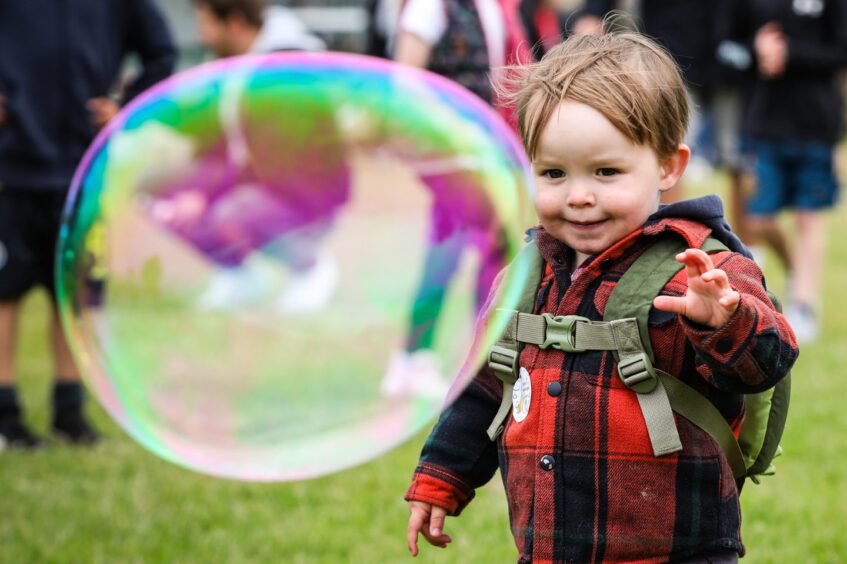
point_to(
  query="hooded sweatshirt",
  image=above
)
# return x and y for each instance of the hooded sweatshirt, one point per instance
(56, 55)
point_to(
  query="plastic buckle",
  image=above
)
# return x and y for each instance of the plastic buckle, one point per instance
(561, 332)
(504, 363)
(637, 373)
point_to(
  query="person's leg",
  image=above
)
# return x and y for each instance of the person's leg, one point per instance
(15, 279)
(64, 365)
(13, 433)
(809, 252)
(8, 341)
(734, 157)
(69, 422)
(770, 195)
(740, 186)
(816, 191)
(766, 229)
(68, 400)
(415, 370)
(440, 265)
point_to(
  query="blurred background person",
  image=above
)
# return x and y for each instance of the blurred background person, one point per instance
(690, 30)
(465, 41)
(58, 65)
(237, 27)
(794, 120)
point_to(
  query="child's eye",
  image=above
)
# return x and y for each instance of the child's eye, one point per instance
(607, 171)
(554, 173)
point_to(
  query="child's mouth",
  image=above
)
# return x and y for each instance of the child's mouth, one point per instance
(586, 225)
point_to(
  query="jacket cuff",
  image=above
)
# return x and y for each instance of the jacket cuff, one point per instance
(722, 344)
(430, 489)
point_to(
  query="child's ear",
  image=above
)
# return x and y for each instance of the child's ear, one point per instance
(672, 168)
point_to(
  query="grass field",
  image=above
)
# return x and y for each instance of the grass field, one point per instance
(118, 503)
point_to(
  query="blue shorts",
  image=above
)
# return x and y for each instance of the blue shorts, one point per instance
(790, 174)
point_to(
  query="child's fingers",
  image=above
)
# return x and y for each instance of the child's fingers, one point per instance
(416, 525)
(719, 278)
(434, 534)
(670, 303)
(696, 261)
(730, 300)
(436, 521)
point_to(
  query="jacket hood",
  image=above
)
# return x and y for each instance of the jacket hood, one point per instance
(707, 210)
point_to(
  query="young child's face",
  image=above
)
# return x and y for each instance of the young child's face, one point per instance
(594, 186)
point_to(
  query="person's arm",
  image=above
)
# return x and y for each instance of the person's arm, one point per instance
(743, 344)
(412, 50)
(458, 456)
(421, 25)
(150, 38)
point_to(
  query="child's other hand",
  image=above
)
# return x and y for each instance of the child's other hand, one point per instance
(428, 520)
(710, 300)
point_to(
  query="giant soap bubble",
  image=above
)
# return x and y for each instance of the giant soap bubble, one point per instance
(270, 267)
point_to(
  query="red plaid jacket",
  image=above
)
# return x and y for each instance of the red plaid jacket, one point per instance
(606, 497)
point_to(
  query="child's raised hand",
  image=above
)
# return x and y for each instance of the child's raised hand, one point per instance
(428, 520)
(710, 300)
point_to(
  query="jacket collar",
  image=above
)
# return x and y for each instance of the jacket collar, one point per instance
(693, 220)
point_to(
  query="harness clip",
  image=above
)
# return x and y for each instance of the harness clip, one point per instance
(560, 332)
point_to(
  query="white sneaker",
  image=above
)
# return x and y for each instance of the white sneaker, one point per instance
(414, 374)
(804, 322)
(310, 290)
(245, 285)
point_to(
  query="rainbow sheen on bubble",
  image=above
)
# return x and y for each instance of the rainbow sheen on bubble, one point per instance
(249, 246)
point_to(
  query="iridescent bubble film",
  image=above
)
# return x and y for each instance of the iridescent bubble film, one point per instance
(270, 267)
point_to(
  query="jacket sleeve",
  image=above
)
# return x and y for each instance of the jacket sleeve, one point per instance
(458, 456)
(826, 54)
(150, 38)
(756, 347)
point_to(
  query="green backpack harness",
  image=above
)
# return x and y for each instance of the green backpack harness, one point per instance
(625, 332)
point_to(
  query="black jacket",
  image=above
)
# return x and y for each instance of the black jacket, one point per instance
(804, 104)
(55, 55)
(685, 27)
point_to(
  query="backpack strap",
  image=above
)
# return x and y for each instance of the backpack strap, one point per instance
(625, 332)
(503, 356)
(633, 297)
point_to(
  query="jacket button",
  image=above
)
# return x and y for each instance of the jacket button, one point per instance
(554, 389)
(606, 264)
(547, 462)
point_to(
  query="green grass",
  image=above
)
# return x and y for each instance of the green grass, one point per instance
(118, 503)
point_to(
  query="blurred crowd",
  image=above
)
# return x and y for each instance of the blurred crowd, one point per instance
(763, 77)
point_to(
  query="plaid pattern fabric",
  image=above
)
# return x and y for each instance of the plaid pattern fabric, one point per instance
(599, 494)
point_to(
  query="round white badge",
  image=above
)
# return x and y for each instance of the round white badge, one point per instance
(521, 396)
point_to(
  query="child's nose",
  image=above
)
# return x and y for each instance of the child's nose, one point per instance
(579, 194)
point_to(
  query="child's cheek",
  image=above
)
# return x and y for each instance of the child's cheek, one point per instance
(547, 205)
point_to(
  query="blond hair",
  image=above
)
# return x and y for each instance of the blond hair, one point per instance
(625, 76)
